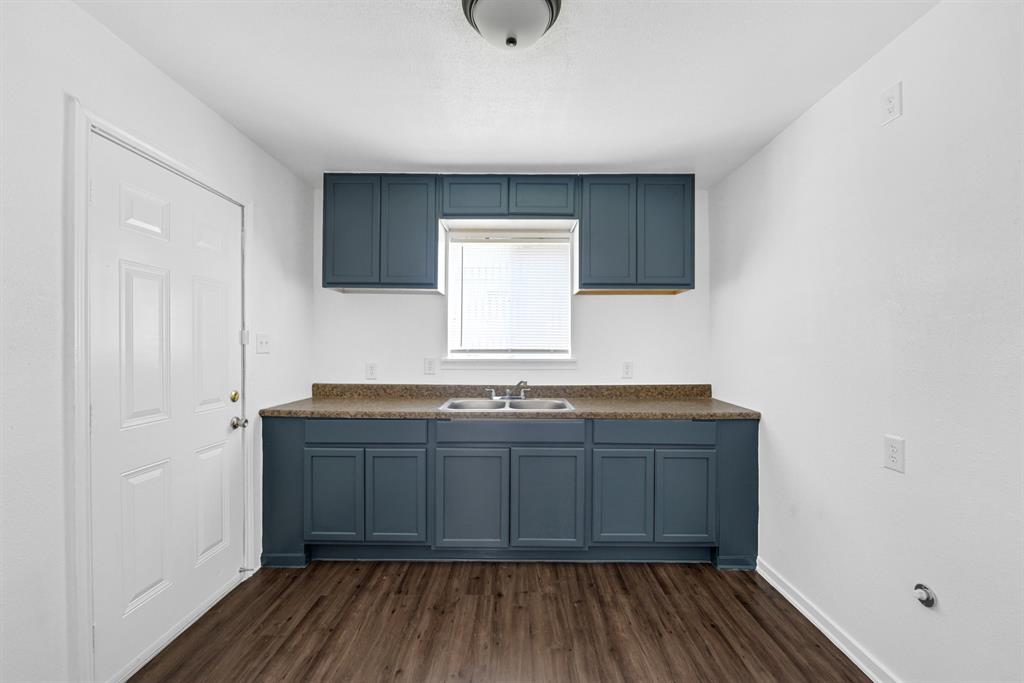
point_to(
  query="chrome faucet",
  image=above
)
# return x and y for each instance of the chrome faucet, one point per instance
(522, 386)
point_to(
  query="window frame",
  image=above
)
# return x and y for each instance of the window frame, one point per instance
(509, 230)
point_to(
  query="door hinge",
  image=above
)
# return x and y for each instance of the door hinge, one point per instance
(243, 337)
(92, 192)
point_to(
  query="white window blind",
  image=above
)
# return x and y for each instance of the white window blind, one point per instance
(509, 298)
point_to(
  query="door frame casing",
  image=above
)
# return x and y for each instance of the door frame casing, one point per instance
(80, 124)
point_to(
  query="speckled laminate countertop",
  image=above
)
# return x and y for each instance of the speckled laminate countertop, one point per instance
(423, 401)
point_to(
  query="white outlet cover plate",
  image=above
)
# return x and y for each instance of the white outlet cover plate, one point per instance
(429, 366)
(895, 455)
(627, 369)
(262, 342)
(371, 371)
(892, 103)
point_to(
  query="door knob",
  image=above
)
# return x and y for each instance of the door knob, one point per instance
(237, 422)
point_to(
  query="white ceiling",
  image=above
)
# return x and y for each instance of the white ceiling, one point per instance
(406, 85)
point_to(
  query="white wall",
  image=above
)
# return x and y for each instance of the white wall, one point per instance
(868, 280)
(49, 49)
(665, 336)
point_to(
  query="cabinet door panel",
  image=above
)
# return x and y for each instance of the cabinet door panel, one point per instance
(351, 230)
(396, 495)
(685, 496)
(665, 239)
(623, 510)
(467, 195)
(542, 195)
(408, 230)
(472, 497)
(334, 494)
(547, 497)
(608, 231)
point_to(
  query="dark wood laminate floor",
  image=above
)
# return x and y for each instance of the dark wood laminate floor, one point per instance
(385, 621)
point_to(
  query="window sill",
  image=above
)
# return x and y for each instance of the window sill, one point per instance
(523, 363)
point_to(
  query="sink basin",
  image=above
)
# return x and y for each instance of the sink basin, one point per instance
(495, 405)
(474, 404)
(538, 404)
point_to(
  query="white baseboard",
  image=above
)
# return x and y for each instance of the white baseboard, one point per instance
(176, 630)
(864, 660)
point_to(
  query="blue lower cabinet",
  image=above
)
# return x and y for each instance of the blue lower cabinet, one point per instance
(396, 495)
(623, 495)
(472, 497)
(548, 497)
(603, 490)
(333, 494)
(685, 496)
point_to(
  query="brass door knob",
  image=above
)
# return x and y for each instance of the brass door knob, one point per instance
(235, 396)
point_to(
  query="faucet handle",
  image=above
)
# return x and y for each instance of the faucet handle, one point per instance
(522, 392)
(494, 394)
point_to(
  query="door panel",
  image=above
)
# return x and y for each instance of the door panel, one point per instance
(472, 497)
(165, 285)
(396, 495)
(608, 231)
(623, 495)
(468, 195)
(351, 230)
(685, 496)
(665, 231)
(334, 494)
(408, 230)
(542, 195)
(547, 497)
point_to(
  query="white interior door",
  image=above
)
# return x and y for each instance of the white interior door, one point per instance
(165, 310)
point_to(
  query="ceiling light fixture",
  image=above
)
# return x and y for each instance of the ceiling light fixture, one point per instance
(511, 23)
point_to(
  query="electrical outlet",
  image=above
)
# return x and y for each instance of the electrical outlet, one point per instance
(429, 366)
(627, 369)
(262, 342)
(371, 371)
(892, 103)
(895, 453)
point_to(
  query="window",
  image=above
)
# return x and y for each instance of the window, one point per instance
(509, 297)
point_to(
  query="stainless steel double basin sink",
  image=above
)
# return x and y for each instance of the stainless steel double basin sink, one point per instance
(504, 404)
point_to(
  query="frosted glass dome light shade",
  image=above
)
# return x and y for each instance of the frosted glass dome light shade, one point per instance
(511, 24)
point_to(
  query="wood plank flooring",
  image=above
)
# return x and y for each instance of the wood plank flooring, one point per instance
(401, 621)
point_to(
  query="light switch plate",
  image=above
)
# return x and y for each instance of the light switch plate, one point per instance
(892, 103)
(262, 342)
(895, 457)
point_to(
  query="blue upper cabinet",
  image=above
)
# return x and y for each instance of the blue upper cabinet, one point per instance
(380, 231)
(351, 230)
(542, 195)
(664, 231)
(474, 195)
(637, 233)
(408, 232)
(608, 232)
